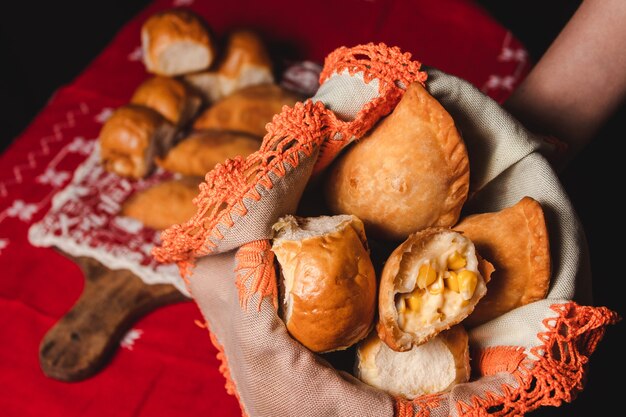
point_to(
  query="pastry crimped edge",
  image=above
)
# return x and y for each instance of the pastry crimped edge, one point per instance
(458, 159)
(416, 104)
(538, 278)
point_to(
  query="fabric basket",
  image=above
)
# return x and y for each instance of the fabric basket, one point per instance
(224, 253)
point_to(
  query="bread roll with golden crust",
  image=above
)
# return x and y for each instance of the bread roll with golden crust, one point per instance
(516, 241)
(431, 282)
(176, 42)
(170, 97)
(328, 278)
(247, 110)
(410, 172)
(131, 138)
(199, 152)
(164, 204)
(246, 62)
(433, 367)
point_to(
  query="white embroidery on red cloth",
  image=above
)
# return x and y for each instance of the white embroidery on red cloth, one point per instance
(44, 149)
(4, 243)
(508, 54)
(104, 115)
(506, 83)
(85, 220)
(81, 145)
(129, 339)
(52, 177)
(21, 210)
(179, 3)
(136, 55)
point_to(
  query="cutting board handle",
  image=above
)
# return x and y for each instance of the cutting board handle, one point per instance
(83, 340)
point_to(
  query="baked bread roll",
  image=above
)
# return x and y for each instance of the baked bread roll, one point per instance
(247, 110)
(176, 42)
(410, 172)
(328, 278)
(433, 367)
(246, 62)
(199, 152)
(516, 241)
(170, 97)
(164, 204)
(429, 283)
(131, 138)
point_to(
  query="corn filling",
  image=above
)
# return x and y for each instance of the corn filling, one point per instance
(443, 286)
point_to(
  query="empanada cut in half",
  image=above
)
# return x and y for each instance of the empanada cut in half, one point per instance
(430, 368)
(516, 241)
(410, 172)
(430, 282)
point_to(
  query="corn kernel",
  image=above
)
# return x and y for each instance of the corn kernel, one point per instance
(467, 283)
(426, 276)
(415, 302)
(401, 305)
(456, 261)
(452, 281)
(437, 286)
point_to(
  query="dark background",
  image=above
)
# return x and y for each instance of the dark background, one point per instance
(39, 53)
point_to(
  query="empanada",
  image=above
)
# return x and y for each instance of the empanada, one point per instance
(516, 241)
(409, 173)
(430, 282)
(198, 153)
(164, 204)
(247, 110)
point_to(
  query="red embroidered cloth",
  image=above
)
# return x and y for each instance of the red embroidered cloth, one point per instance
(166, 365)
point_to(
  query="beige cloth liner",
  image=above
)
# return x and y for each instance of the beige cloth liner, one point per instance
(276, 376)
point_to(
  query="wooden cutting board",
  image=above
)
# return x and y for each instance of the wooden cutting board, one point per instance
(83, 341)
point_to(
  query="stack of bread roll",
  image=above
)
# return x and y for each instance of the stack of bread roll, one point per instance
(403, 187)
(202, 105)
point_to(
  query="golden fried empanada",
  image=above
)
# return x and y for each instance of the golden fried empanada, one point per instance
(164, 204)
(516, 241)
(247, 110)
(432, 281)
(201, 151)
(410, 172)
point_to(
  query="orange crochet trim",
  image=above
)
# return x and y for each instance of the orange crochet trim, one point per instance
(230, 386)
(499, 359)
(419, 407)
(293, 133)
(255, 263)
(559, 372)
(555, 377)
(394, 71)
